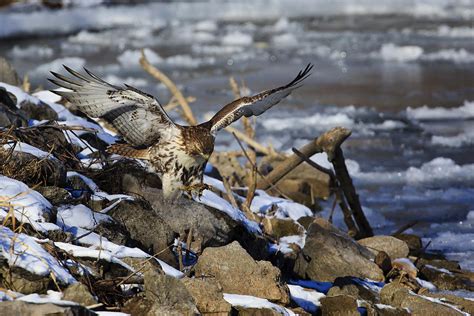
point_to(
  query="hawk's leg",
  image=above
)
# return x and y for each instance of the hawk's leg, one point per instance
(196, 189)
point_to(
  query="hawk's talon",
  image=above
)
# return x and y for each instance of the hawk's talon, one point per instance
(195, 189)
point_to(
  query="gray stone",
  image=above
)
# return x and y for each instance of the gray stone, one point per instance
(329, 254)
(238, 273)
(40, 111)
(398, 296)
(446, 280)
(341, 305)
(208, 295)
(80, 294)
(347, 286)
(20, 280)
(394, 247)
(20, 308)
(55, 195)
(145, 226)
(168, 293)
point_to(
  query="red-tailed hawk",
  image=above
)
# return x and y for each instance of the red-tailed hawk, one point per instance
(179, 153)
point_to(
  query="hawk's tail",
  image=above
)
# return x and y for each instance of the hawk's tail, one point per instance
(128, 151)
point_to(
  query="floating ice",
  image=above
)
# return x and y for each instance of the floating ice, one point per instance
(237, 38)
(57, 66)
(23, 251)
(31, 52)
(454, 55)
(393, 52)
(321, 121)
(464, 112)
(130, 58)
(285, 40)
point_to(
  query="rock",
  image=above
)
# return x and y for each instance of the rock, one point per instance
(305, 221)
(382, 260)
(329, 254)
(413, 241)
(168, 293)
(145, 226)
(341, 305)
(80, 294)
(20, 308)
(439, 263)
(348, 286)
(211, 228)
(55, 195)
(20, 280)
(10, 115)
(250, 311)
(51, 140)
(8, 73)
(238, 273)
(387, 310)
(465, 305)
(32, 170)
(277, 227)
(398, 296)
(394, 247)
(207, 294)
(444, 279)
(40, 111)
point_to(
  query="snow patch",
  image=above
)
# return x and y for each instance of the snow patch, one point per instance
(255, 302)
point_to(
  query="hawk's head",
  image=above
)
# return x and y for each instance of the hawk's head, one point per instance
(198, 141)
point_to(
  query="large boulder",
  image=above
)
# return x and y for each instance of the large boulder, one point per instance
(146, 227)
(238, 273)
(398, 296)
(394, 247)
(329, 254)
(21, 280)
(349, 286)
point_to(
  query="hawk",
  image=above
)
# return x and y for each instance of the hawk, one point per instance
(179, 153)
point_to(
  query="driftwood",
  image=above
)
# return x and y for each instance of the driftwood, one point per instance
(346, 195)
(328, 143)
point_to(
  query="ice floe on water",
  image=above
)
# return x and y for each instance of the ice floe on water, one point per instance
(391, 51)
(463, 112)
(409, 53)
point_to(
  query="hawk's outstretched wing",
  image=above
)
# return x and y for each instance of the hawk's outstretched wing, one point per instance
(137, 116)
(255, 105)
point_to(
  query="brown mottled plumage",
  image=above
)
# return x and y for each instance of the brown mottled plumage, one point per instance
(179, 153)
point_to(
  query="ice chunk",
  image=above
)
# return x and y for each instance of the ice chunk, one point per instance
(393, 52)
(130, 58)
(464, 112)
(237, 38)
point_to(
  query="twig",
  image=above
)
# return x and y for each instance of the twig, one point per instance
(250, 141)
(405, 227)
(270, 185)
(157, 74)
(229, 192)
(350, 193)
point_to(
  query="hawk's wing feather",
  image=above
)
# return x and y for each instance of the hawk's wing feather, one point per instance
(137, 116)
(257, 104)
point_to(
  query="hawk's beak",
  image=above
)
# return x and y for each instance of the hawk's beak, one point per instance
(205, 156)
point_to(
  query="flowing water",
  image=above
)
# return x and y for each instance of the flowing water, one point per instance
(400, 74)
